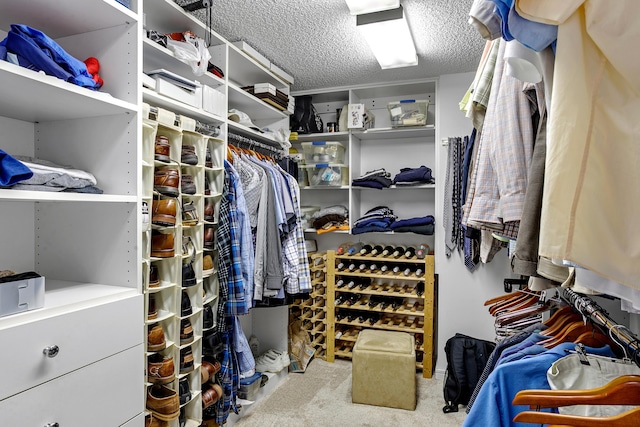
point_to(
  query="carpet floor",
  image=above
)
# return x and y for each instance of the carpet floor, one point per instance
(322, 397)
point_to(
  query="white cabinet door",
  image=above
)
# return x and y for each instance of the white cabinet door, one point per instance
(82, 337)
(108, 393)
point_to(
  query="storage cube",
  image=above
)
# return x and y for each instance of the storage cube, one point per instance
(408, 112)
(384, 369)
(306, 212)
(323, 152)
(21, 295)
(325, 175)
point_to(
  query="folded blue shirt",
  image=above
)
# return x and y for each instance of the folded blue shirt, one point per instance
(423, 220)
(12, 170)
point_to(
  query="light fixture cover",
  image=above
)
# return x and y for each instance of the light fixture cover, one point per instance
(389, 38)
(358, 7)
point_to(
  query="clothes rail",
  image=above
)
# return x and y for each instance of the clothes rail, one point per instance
(599, 317)
(252, 144)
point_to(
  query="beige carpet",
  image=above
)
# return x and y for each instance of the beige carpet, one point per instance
(322, 397)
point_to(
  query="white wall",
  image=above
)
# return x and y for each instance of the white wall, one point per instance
(461, 293)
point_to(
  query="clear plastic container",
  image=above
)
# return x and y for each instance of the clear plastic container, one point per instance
(408, 112)
(323, 152)
(326, 175)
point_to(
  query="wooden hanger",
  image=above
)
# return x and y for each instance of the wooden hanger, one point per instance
(497, 299)
(562, 323)
(502, 305)
(559, 314)
(624, 390)
(571, 333)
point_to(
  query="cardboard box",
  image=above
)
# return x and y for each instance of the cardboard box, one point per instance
(243, 46)
(288, 78)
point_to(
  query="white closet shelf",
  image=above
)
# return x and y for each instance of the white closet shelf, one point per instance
(257, 109)
(325, 187)
(157, 57)
(35, 97)
(326, 136)
(395, 133)
(314, 231)
(54, 19)
(400, 187)
(245, 71)
(242, 130)
(155, 99)
(61, 296)
(46, 196)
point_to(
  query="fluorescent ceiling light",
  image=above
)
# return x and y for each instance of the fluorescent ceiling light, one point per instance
(358, 7)
(389, 38)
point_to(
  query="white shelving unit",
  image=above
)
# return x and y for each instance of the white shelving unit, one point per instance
(87, 246)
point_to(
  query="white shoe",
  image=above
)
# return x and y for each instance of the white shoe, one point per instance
(269, 362)
(282, 355)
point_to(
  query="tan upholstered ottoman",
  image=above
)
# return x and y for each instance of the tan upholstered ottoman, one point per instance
(384, 369)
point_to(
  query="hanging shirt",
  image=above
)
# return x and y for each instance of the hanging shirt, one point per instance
(236, 303)
(591, 198)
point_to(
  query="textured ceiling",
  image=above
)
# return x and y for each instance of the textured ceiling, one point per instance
(316, 41)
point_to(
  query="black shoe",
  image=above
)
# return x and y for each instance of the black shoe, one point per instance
(186, 332)
(207, 317)
(186, 360)
(188, 275)
(186, 305)
(184, 391)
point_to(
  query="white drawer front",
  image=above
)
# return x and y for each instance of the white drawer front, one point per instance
(108, 393)
(82, 337)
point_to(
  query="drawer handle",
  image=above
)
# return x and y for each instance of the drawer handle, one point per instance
(51, 351)
(52, 425)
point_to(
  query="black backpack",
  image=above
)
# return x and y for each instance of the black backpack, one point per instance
(466, 359)
(305, 118)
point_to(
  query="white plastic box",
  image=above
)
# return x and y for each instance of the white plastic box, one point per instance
(408, 112)
(213, 101)
(21, 295)
(326, 175)
(189, 97)
(306, 212)
(249, 386)
(323, 152)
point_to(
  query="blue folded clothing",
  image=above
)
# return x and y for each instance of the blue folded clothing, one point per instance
(426, 229)
(369, 229)
(12, 171)
(410, 222)
(421, 174)
(379, 182)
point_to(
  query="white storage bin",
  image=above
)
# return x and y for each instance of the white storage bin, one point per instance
(305, 213)
(323, 152)
(326, 175)
(21, 295)
(408, 112)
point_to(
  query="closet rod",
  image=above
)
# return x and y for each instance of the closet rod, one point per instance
(252, 144)
(591, 310)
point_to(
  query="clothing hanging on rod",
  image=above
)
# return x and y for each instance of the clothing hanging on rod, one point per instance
(252, 144)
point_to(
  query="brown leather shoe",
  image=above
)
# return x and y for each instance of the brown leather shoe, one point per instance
(152, 311)
(207, 158)
(154, 280)
(162, 245)
(208, 238)
(188, 155)
(160, 369)
(151, 421)
(208, 211)
(207, 265)
(167, 181)
(164, 212)
(188, 186)
(155, 338)
(189, 214)
(163, 402)
(208, 370)
(162, 149)
(210, 395)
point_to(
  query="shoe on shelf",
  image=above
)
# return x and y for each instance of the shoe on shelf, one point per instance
(167, 181)
(185, 305)
(189, 214)
(160, 369)
(162, 149)
(188, 155)
(163, 402)
(209, 370)
(282, 355)
(210, 395)
(154, 280)
(207, 189)
(162, 245)
(208, 163)
(152, 310)
(254, 345)
(207, 265)
(208, 211)
(186, 360)
(208, 238)
(207, 317)
(188, 275)
(183, 390)
(188, 185)
(163, 212)
(152, 421)
(186, 332)
(155, 338)
(270, 362)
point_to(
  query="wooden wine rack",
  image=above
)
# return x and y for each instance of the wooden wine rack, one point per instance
(415, 310)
